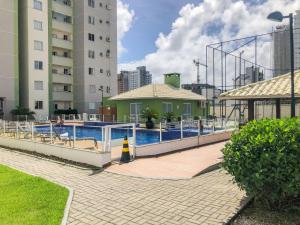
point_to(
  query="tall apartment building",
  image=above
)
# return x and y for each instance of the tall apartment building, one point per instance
(95, 52)
(123, 82)
(281, 50)
(130, 80)
(68, 51)
(281, 46)
(9, 67)
(297, 39)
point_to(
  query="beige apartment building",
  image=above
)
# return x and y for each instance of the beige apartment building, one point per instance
(95, 62)
(67, 52)
(9, 66)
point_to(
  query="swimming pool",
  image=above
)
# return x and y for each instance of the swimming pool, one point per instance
(143, 137)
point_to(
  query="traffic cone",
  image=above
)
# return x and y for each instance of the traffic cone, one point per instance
(125, 158)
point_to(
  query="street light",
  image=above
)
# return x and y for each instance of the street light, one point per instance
(278, 17)
(102, 90)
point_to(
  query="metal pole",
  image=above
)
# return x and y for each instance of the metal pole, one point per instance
(293, 101)
(74, 136)
(181, 129)
(198, 128)
(17, 129)
(214, 85)
(32, 131)
(134, 141)
(160, 132)
(222, 81)
(4, 124)
(51, 133)
(206, 81)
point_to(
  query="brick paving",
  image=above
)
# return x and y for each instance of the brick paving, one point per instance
(105, 198)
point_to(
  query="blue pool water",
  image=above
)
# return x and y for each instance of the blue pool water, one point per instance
(143, 137)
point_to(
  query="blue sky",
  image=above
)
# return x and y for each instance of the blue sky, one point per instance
(151, 18)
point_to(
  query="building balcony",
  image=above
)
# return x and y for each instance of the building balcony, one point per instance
(62, 26)
(62, 96)
(62, 7)
(62, 61)
(61, 78)
(61, 43)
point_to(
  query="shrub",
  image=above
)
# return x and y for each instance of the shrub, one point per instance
(65, 111)
(264, 159)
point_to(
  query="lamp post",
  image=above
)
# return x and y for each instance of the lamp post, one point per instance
(102, 90)
(278, 17)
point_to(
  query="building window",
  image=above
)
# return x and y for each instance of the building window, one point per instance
(107, 89)
(92, 105)
(100, 4)
(100, 37)
(108, 7)
(38, 45)
(37, 5)
(187, 110)
(107, 22)
(108, 53)
(91, 37)
(107, 39)
(38, 65)
(108, 73)
(91, 20)
(38, 105)
(167, 107)
(101, 54)
(91, 54)
(100, 21)
(135, 110)
(38, 25)
(38, 85)
(92, 89)
(101, 70)
(91, 71)
(66, 71)
(91, 3)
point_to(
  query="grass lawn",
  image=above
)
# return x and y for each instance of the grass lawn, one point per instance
(255, 215)
(28, 200)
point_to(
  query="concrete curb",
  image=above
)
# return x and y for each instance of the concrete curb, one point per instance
(68, 206)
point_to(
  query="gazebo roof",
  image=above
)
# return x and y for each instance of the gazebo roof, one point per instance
(158, 91)
(278, 87)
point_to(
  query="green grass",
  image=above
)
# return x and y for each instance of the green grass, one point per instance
(257, 215)
(29, 200)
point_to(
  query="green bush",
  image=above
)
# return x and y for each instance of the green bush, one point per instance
(264, 159)
(66, 112)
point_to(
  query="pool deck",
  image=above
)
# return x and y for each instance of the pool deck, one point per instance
(180, 165)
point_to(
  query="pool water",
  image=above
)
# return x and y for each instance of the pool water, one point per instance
(143, 137)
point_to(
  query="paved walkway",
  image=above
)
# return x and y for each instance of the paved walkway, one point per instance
(181, 165)
(105, 198)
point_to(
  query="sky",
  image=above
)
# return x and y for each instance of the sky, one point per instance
(166, 35)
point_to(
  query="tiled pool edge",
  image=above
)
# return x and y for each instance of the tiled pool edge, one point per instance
(181, 144)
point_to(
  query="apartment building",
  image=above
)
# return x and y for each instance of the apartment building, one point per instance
(68, 51)
(281, 46)
(9, 68)
(34, 59)
(95, 53)
(130, 80)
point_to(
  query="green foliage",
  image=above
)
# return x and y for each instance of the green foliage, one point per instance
(149, 114)
(264, 158)
(66, 112)
(169, 116)
(20, 113)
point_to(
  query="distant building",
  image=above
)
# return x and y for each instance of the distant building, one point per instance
(252, 75)
(202, 89)
(123, 82)
(297, 39)
(281, 46)
(130, 80)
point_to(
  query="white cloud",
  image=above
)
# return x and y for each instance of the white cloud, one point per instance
(189, 34)
(125, 18)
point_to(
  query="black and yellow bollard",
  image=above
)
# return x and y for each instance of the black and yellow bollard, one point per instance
(125, 158)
